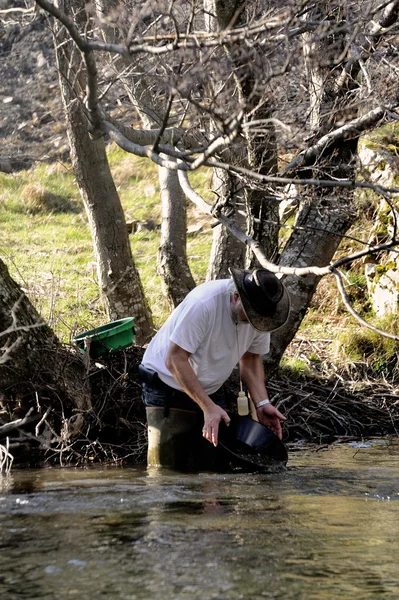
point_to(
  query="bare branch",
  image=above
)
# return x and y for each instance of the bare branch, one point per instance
(371, 250)
(352, 129)
(354, 313)
(250, 242)
(14, 326)
(143, 151)
(6, 458)
(232, 130)
(7, 11)
(5, 429)
(8, 350)
(256, 249)
(67, 22)
(163, 124)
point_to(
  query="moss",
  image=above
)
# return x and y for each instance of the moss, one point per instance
(294, 368)
(381, 269)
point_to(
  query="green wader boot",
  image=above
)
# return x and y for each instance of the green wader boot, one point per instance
(175, 441)
(170, 438)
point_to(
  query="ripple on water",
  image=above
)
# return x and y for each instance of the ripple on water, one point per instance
(324, 529)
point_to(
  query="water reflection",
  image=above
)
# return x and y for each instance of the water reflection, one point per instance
(325, 528)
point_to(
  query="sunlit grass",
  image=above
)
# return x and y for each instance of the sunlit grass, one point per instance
(47, 246)
(46, 241)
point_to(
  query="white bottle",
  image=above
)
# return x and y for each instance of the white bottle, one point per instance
(242, 404)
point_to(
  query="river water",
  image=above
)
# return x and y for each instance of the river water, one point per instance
(325, 528)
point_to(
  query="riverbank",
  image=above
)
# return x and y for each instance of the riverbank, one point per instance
(320, 409)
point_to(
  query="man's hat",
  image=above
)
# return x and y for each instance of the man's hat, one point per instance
(264, 298)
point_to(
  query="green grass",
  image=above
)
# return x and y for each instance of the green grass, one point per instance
(46, 241)
(46, 244)
(363, 345)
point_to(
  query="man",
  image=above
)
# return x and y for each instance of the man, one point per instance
(218, 324)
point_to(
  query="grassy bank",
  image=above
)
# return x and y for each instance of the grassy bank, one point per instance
(47, 246)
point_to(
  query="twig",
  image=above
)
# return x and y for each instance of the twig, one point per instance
(4, 429)
(354, 313)
(42, 420)
(6, 458)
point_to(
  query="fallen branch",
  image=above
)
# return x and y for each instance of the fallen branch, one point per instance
(6, 458)
(354, 312)
(5, 429)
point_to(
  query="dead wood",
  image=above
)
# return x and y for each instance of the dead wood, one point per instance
(111, 428)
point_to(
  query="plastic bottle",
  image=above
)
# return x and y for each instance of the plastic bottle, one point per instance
(242, 404)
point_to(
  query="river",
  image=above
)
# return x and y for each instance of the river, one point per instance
(326, 527)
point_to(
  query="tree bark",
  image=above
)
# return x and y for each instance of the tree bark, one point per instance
(328, 213)
(226, 250)
(119, 280)
(260, 155)
(36, 372)
(172, 263)
(22, 347)
(314, 242)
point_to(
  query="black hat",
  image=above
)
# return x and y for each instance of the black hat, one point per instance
(264, 298)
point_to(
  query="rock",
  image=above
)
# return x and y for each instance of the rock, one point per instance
(11, 165)
(383, 289)
(41, 60)
(381, 166)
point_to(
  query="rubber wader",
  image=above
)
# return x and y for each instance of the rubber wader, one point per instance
(170, 437)
(175, 441)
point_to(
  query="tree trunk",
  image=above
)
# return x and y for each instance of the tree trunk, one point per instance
(260, 154)
(177, 280)
(36, 372)
(314, 242)
(118, 277)
(172, 262)
(226, 250)
(329, 212)
(29, 343)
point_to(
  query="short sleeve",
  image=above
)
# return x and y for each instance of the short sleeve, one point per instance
(260, 344)
(192, 326)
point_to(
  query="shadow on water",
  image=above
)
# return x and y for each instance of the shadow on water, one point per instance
(325, 528)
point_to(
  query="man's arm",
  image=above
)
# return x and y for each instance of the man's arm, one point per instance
(178, 365)
(251, 369)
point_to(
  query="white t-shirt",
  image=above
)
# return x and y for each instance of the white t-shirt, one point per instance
(203, 325)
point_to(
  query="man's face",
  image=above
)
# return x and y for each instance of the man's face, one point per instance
(237, 310)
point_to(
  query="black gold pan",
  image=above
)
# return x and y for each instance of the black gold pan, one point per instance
(249, 442)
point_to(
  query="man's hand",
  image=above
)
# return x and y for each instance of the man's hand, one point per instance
(212, 417)
(271, 417)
